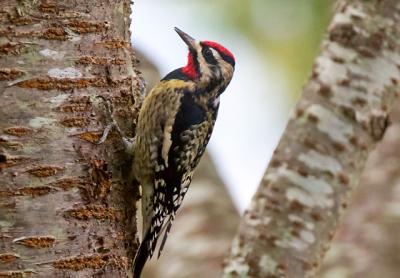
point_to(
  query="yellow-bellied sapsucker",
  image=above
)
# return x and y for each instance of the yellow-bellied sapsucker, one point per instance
(174, 126)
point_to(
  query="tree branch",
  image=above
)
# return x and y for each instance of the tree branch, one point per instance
(341, 115)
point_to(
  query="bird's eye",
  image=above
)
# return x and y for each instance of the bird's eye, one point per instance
(207, 53)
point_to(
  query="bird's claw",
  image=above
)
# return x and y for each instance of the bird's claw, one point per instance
(104, 136)
(108, 104)
(128, 142)
(110, 115)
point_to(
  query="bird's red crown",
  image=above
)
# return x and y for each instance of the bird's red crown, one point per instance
(221, 49)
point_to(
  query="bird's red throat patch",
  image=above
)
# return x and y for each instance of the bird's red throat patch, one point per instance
(190, 69)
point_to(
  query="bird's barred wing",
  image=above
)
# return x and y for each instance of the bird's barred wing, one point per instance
(193, 143)
(172, 183)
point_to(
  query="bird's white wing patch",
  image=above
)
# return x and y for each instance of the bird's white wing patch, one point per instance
(167, 143)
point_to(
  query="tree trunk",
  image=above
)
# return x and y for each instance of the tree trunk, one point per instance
(64, 210)
(367, 244)
(341, 115)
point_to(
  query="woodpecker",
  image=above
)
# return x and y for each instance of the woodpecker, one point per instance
(174, 126)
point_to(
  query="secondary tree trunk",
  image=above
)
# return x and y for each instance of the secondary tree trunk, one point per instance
(341, 115)
(63, 208)
(367, 244)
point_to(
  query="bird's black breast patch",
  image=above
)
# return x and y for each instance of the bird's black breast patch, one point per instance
(176, 74)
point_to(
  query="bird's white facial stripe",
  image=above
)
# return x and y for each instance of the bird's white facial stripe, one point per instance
(205, 70)
(215, 54)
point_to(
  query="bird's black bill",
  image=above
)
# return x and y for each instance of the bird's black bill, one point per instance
(186, 38)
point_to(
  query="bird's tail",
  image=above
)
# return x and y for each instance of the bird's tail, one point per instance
(141, 257)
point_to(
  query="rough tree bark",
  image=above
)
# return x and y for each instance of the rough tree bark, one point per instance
(341, 115)
(367, 244)
(63, 208)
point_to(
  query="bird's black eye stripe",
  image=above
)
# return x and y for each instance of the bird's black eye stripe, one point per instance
(207, 52)
(208, 56)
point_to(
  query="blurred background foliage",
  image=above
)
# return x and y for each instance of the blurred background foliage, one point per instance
(287, 33)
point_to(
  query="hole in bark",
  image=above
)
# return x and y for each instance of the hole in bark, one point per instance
(3, 158)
